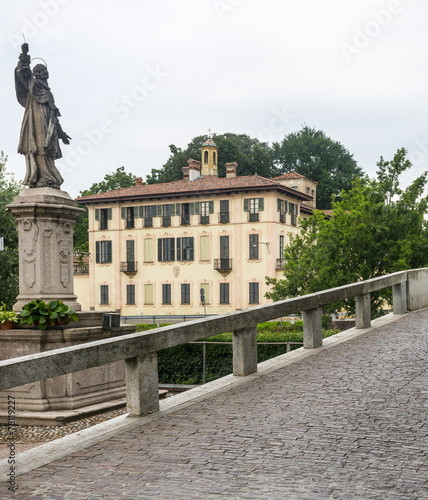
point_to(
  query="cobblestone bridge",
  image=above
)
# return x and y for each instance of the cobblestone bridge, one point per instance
(347, 420)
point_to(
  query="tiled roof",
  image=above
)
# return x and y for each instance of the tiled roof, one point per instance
(204, 184)
(292, 175)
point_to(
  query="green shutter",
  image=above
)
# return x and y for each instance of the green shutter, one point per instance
(109, 214)
(172, 209)
(136, 212)
(159, 210)
(141, 210)
(178, 208)
(160, 249)
(179, 249)
(97, 214)
(211, 207)
(279, 205)
(197, 207)
(191, 208)
(245, 204)
(97, 252)
(261, 204)
(123, 213)
(285, 207)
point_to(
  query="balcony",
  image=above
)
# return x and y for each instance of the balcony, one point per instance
(223, 217)
(129, 268)
(81, 268)
(280, 264)
(166, 220)
(185, 220)
(103, 224)
(223, 266)
(282, 218)
(204, 219)
(253, 217)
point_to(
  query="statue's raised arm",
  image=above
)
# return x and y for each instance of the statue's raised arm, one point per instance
(40, 130)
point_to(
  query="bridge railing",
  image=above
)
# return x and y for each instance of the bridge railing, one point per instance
(139, 350)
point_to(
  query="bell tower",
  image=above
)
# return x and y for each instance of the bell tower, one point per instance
(209, 157)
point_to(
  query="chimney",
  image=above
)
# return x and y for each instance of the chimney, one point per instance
(231, 169)
(185, 173)
(138, 181)
(194, 169)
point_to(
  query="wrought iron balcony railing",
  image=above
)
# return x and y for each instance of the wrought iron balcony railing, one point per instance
(128, 267)
(223, 264)
(280, 263)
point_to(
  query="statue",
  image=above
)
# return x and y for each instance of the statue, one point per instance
(40, 130)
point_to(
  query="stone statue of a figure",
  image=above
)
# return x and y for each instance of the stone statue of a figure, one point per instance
(40, 130)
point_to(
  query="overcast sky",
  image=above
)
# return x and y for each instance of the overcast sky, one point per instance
(134, 76)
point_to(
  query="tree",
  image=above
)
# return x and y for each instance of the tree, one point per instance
(9, 267)
(311, 153)
(251, 155)
(375, 229)
(116, 180)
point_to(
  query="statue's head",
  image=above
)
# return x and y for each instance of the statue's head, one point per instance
(40, 71)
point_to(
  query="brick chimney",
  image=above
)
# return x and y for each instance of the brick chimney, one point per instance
(194, 169)
(231, 169)
(185, 173)
(138, 181)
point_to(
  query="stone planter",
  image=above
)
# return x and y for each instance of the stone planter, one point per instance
(7, 325)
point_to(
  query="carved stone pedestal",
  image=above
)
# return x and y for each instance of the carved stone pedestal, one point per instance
(45, 219)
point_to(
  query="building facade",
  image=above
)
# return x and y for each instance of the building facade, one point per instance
(155, 247)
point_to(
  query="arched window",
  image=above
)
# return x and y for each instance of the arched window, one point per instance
(215, 159)
(206, 157)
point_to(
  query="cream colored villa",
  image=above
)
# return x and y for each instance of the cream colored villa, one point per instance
(154, 247)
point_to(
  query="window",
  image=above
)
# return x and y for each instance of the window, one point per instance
(166, 293)
(282, 209)
(254, 246)
(185, 249)
(214, 158)
(130, 294)
(307, 190)
(103, 215)
(166, 251)
(224, 293)
(206, 157)
(149, 213)
(129, 214)
(206, 289)
(103, 252)
(130, 256)
(148, 250)
(254, 293)
(166, 217)
(148, 294)
(224, 252)
(313, 192)
(104, 294)
(281, 246)
(206, 208)
(253, 206)
(185, 214)
(224, 212)
(185, 293)
(205, 248)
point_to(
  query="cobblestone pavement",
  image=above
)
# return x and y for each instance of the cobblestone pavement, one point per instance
(349, 422)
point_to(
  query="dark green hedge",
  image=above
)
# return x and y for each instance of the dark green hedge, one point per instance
(184, 364)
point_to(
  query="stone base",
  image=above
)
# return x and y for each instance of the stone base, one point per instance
(71, 392)
(45, 218)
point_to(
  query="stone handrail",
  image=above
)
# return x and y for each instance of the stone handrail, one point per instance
(139, 350)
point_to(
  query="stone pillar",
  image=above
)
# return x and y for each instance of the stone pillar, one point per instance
(142, 386)
(399, 298)
(45, 219)
(245, 351)
(312, 328)
(363, 311)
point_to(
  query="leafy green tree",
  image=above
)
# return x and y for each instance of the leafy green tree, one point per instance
(9, 268)
(116, 180)
(251, 155)
(311, 153)
(375, 229)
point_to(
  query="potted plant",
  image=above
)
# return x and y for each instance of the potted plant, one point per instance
(7, 318)
(44, 315)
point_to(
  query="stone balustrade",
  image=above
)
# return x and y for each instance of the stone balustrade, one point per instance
(139, 350)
